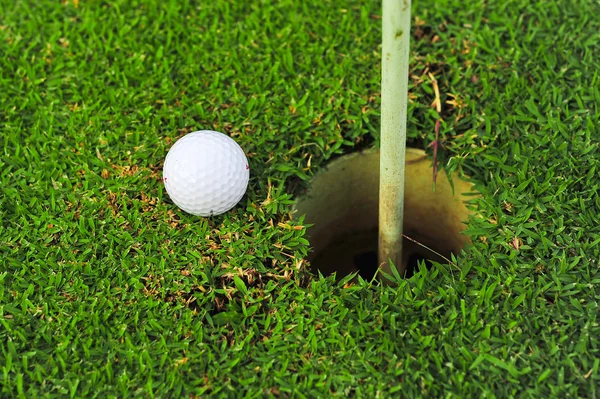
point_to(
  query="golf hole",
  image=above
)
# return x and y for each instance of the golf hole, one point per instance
(342, 206)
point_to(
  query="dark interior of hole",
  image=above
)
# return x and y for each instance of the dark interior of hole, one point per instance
(357, 252)
(367, 263)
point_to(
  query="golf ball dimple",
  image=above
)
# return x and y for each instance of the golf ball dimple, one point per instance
(206, 173)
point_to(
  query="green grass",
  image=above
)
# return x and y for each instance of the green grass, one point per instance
(107, 290)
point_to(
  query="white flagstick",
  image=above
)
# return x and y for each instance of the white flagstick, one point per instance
(394, 98)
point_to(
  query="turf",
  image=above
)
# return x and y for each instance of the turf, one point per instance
(107, 290)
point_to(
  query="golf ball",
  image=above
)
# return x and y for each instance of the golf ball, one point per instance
(206, 173)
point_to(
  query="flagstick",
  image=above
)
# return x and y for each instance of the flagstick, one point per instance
(394, 98)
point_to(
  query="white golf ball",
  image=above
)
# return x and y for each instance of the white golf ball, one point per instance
(206, 173)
